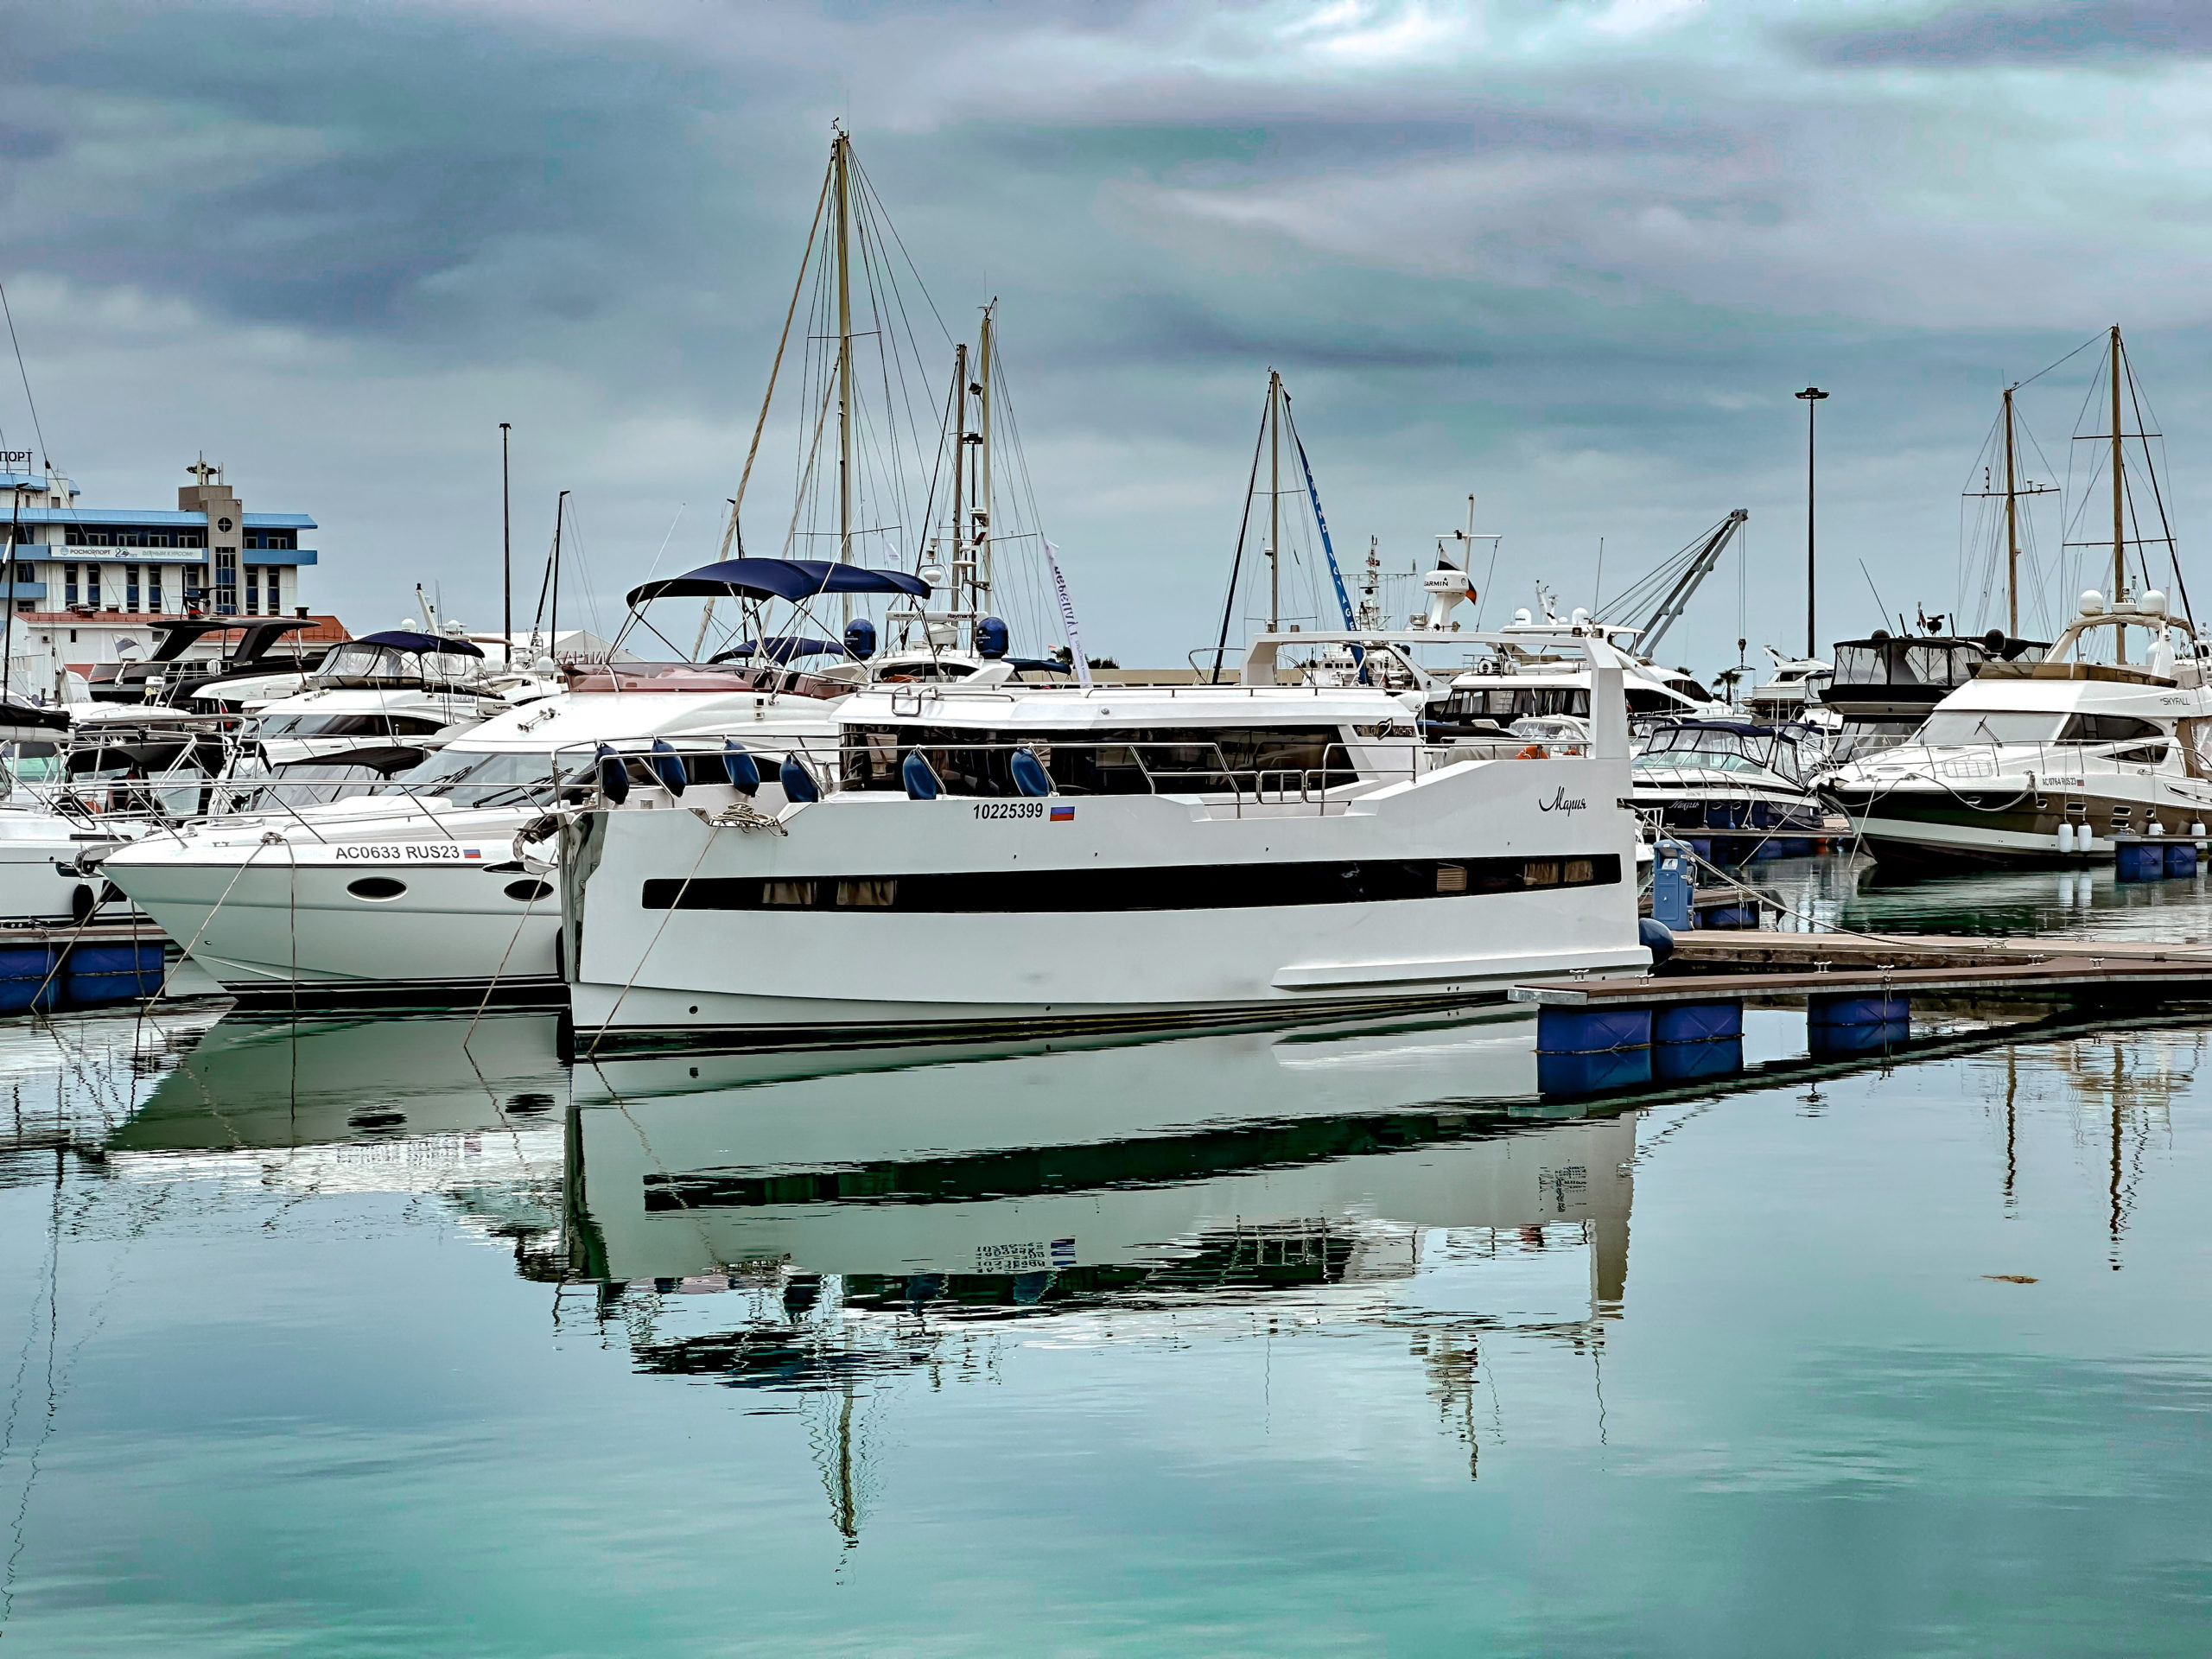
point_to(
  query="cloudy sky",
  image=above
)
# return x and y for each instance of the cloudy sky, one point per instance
(1571, 255)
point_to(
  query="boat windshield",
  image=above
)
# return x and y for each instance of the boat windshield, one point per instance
(1962, 726)
(358, 663)
(1717, 749)
(346, 726)
(504, 777)
(309, 784)
(1507, 702)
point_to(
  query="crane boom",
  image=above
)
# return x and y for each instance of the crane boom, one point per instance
(1689, 567)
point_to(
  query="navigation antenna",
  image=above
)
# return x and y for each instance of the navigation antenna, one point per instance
(1466, 539)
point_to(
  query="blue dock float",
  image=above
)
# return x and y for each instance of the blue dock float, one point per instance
(101, 975)
(1850, 1011)
(1587, 1051)
(2153, 858)
(46, 969)
(27, 980)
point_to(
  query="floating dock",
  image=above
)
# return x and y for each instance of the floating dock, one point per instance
(45, 966)
(1685, 1021)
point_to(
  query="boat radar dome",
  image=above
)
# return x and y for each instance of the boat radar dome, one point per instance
(1445, 586)
(1521, 617)
(2093, 603)
(2152, 603)
(1581, 616)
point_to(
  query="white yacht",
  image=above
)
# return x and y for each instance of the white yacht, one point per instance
(1740, 788)
(1792, 693)
(1535, 669)
(410, 892)
(376, 707)
(2029, 761)
(260, 662)
(970, 861)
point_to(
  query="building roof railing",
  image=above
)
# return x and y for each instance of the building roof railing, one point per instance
(154, 517)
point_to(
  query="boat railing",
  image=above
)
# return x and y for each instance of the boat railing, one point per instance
(2041, 759)
(1196, 766)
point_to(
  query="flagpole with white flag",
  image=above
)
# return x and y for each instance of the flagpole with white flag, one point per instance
(1067, 619)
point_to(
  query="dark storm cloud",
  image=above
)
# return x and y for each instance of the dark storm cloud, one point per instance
(1573, 256)
(2039, 32)
(381, 151)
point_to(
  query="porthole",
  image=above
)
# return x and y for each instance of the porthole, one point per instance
(528, 893)
(376, 888)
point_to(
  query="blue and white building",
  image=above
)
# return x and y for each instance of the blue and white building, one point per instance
(87, 580)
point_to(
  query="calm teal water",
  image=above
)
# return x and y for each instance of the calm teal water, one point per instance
(363, 1343)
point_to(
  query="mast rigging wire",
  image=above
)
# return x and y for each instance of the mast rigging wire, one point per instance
(45, 456)
(1243, 527)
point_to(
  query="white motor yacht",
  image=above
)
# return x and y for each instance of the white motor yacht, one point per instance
(376, 707)
(252, 659)
(408, 891)
(1535, 669)
(972, 861)
(1792, 693)
(2033, 761)
(1739, 789)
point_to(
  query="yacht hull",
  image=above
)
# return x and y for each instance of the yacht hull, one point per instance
(293, 925)
(977, 918)
(2014, 827)
(1741, 824)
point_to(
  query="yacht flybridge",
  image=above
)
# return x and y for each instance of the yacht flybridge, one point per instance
(2031, 761)
(965, 859)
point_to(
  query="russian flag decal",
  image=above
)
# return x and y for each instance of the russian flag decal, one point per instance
(472, 852)
(1064, 815)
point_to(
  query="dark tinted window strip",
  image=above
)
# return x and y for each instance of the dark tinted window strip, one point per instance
(1186, 887)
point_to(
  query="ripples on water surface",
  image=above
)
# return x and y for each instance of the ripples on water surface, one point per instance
(360, 1343)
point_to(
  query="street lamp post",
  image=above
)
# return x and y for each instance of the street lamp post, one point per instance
(1810, 397)
(506, 554)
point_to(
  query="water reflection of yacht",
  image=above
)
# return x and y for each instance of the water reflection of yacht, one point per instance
(278, 1082)
(1027, 1179)
(329, 1107)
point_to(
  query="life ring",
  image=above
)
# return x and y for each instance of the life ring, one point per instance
(1534, 751)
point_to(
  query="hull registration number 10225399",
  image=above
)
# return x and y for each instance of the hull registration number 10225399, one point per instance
(1009, 809)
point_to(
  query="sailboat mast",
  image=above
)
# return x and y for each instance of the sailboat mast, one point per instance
(2012, 526)
(959, 462)
(8, 618)
(2119, 499)
(980, 509)
(1274, 501)
(553, 619)
(838, 147)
